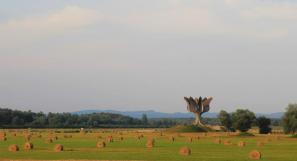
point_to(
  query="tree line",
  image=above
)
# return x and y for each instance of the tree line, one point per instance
(24, 119)
(243, 119)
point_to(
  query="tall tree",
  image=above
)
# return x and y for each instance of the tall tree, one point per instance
(242, 120)
(289, 119)
(225, 119)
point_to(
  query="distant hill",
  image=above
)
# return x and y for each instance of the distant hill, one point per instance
(154, 114)
(276, 115)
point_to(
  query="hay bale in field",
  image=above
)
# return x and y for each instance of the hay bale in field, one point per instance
(227, 142)
(241, 144)
(172, 138)
(67, 136)
(58, 148)
(190, 139)
(49, 140)
(28, 146)
(260, 144)
(99, 137)
(185, 151)
(256, 155)
(101, 144)
(13, 148)
(2, 134)
(109, 139)
(150, 143)
(138, 137)
(3, 138)
(217, 141)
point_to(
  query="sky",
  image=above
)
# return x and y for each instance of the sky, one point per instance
(66, 55)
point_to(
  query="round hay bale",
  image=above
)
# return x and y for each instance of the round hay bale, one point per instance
(13, 148)
(227, 142)
(3, 138)
(150, 143)
(3, 134)
(58, 148)
(101, 144)
(28, 146)
(109, 139)
(49, 140)
(185, 151)
(260, 144)
(256, 155)
(241, 144)
(67, 136)
(190, 139)
(217, 141)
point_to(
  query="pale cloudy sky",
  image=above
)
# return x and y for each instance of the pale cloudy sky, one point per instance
(69, 55)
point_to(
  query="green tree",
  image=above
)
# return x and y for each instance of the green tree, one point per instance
(242, 120)
(263, 124)
(144, 119)
(289, 119)
(225, 119)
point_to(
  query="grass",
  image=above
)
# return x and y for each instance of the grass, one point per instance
(294, 136)
(189, 128)
(84, 147)
(245, 134)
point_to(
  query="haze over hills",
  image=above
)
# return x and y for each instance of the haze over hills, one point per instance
(155, 114)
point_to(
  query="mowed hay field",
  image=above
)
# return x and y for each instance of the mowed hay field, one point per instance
(131, 144)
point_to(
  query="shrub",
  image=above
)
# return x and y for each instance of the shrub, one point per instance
(263, 124)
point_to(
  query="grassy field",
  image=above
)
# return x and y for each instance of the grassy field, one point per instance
(83, 146)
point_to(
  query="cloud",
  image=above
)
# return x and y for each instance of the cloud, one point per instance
(173, 20)
(23, 32)
(202, 18)
(71, 16)
(278, 12)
